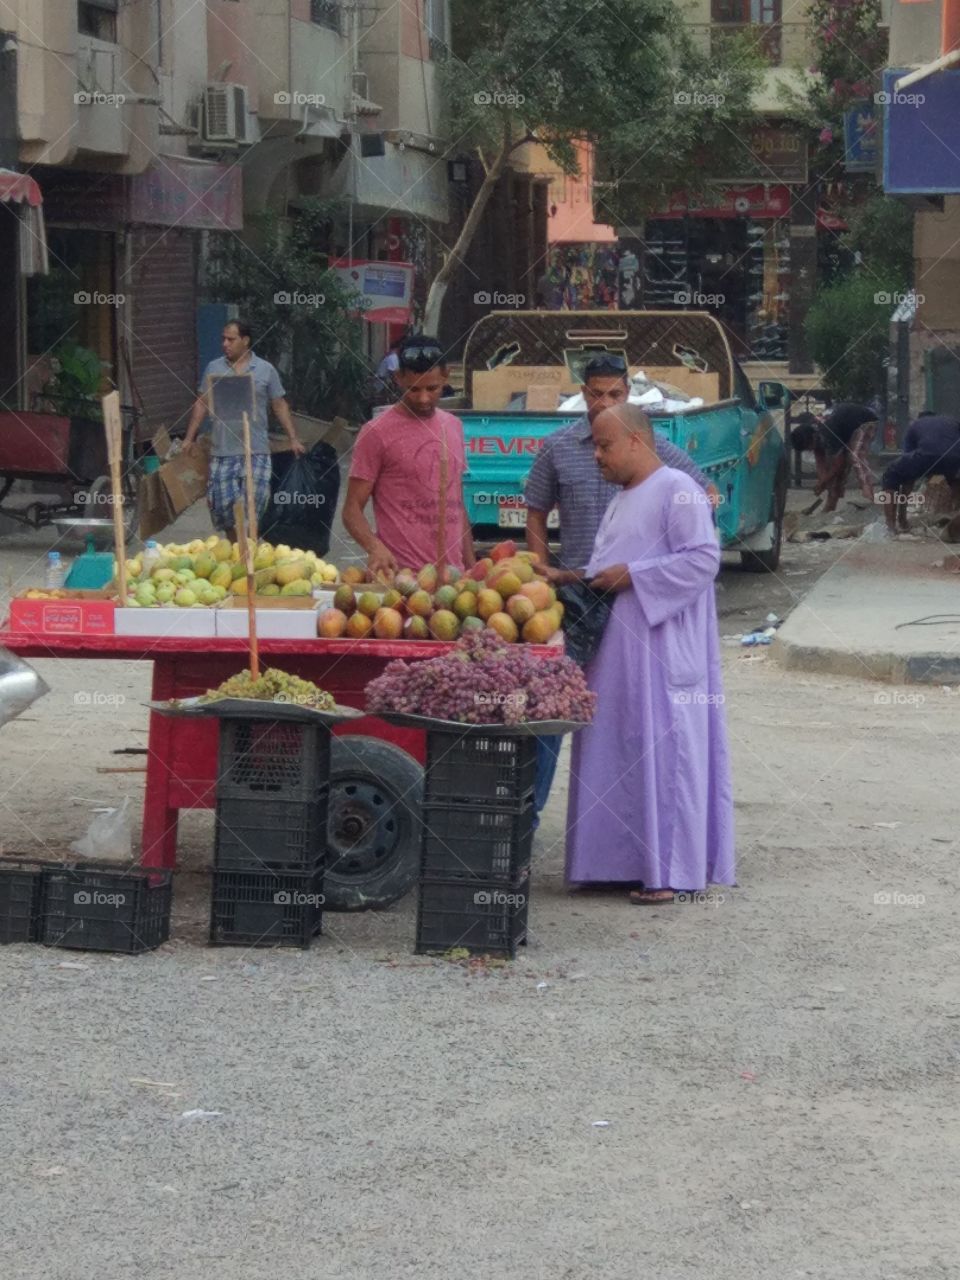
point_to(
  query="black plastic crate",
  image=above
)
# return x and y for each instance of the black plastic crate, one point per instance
(467, 843)
(270, 835)
(276, 759)
(21, 898)
(483, 918)
(96, 908)
(265, 910)
(474, 767)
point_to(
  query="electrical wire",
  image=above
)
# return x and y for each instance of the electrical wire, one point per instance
(930, 620)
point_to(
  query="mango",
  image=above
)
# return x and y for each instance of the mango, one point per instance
(185, 598)
(540, 628)
(299, 587)
(472, 623)
(290, 571)
(268, 589)
(344, 599)
(465, 605)
(504, 626)
(521, 609)
(387, 624)
(416, 628)
(359, 626)
(428, 578)
(368, 602)
(488, 603)
(444, 597)
(505, 581)
(332, 623)
(221, 576)
(204, 565)
(420, 603)
(444, 625)
(540, 592)
(264, 557)
(354, 575)
(391, 599)
(503, 550)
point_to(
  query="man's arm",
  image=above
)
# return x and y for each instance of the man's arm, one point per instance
(469, 553)
(540, 492)
(197, 415)
(282, 413)
(379, 558)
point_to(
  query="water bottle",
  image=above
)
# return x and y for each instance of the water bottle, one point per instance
(151, 557)
(56, 574)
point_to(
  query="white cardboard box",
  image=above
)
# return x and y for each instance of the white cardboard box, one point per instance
(162, 621)
(272, 624)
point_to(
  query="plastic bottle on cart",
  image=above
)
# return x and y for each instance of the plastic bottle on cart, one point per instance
(151, 556)
(56, 574)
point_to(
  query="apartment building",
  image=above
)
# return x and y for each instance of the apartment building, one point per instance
(921, 164)
(147, 124)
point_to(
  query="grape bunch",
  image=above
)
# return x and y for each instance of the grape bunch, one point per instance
(273, 686)
(484, 681)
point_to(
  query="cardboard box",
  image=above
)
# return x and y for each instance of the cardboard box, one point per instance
(156, 510)
(542, 399)
(81, 613)
(272, 624)
(184, 477)
(493, 388)
(690, 381)
(163, 621)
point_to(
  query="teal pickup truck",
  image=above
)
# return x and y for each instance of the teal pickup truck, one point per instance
(733, 437)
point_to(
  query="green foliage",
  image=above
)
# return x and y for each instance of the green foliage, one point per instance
(74, 390)
(881, 231)
(848, 331)
(316, 340)
(625, 76)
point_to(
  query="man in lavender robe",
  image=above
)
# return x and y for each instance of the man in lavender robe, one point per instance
(651, 799)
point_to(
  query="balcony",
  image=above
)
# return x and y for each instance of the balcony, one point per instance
(781, 44)
(99, 98)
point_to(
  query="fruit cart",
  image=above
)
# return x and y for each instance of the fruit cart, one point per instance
(377, 774)
(68, 451)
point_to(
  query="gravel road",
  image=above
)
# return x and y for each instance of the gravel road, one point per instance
(775, 1067)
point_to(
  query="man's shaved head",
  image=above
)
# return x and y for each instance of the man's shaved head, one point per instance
(632, 419)
(623, 444)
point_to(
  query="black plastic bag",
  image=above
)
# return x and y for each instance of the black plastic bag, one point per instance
(303, 499)
(585, 616)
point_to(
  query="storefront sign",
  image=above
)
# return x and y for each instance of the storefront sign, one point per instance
(920, 153)
(188, 193)
(385, 288)
(860, 139)
(781, 155)
(734, 202)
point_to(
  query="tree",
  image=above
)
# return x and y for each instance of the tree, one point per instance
(304, 320)
(848, 329)
(625, 74)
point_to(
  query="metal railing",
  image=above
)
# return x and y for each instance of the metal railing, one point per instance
(782, 44)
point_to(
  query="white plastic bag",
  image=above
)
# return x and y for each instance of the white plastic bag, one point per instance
(110, 835)
(19, 686)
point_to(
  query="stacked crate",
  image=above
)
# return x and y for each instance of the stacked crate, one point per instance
(272, 796)
(476, 842)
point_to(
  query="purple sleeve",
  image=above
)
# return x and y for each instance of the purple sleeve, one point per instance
(673, 456)
(665, 584)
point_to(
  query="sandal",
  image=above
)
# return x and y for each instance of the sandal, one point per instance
(651, 897)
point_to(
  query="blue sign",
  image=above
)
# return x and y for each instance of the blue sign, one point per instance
(921, 137)
(860, 137)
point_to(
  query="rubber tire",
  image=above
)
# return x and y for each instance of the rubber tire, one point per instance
(377, 768)
(769, 561)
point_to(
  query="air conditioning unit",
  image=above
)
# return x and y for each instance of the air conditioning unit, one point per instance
(225, 113)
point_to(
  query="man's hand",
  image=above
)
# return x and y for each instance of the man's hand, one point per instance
(559, 577)
(616, 578)
(714, 496)
(297, 447)
(190, 447)
(381, 561)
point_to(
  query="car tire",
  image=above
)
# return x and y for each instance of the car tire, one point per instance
(373, 831)
(768, 561)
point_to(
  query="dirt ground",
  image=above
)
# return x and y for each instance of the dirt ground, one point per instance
(757, 1086)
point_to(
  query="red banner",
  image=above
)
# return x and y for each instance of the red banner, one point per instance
(734, 202)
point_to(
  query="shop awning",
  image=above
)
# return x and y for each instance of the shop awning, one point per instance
(22, 190)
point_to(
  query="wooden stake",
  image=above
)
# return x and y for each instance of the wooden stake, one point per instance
(246, 554)
(113, 428)
(442, 527)
(248, 475)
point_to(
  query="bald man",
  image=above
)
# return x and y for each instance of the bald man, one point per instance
(651, 799)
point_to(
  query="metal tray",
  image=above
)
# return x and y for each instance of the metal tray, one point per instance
(529, 728)
(254, 709)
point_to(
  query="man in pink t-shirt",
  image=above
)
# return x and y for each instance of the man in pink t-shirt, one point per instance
(398, 461)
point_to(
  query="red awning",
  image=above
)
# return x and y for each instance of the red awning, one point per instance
(387, 315)
(19, 187)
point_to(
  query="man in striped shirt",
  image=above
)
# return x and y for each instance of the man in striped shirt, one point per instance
(565, 475)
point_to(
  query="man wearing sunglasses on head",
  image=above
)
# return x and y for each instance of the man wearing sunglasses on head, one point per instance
(399, 460)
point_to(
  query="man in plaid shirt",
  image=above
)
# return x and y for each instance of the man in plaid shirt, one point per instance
(565, 475)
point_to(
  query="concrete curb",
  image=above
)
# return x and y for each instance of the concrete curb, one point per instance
(892, 668)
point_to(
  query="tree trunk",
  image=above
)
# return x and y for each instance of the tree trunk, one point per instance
(438, 289)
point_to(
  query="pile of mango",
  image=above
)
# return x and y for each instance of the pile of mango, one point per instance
(202, 573)
(502, 593)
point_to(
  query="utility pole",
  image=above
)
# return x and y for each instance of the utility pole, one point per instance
(8, 100)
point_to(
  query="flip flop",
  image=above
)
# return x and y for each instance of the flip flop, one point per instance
(649, 898)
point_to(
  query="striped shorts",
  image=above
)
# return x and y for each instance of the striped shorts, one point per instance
(226, 483)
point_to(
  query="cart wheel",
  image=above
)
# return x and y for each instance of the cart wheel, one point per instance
(768, 561)
(99, 503)
(373, 833)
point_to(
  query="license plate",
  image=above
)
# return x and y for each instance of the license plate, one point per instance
(516, 518)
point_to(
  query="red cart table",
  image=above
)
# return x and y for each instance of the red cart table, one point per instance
(182, 760)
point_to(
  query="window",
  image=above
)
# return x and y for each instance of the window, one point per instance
(98, 18)
(747, 15)
(326, 13)
(435, 24)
